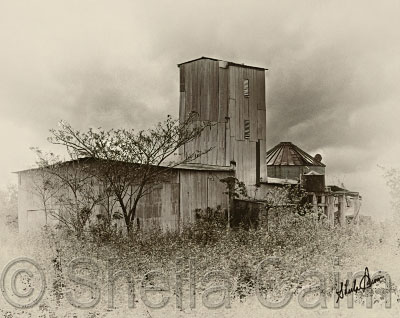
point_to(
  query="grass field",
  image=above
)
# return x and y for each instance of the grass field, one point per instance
(300, 244)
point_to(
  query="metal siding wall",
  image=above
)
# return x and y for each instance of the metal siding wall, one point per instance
(199, 190)
(160, 207)
(250, 108)
(206, 93)
(216, 92)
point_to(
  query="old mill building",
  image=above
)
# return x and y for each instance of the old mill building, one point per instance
(233, 97)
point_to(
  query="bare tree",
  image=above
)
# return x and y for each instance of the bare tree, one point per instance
(44, 184)
(66, 189)
(129, 163)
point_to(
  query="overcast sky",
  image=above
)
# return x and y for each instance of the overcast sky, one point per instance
(333, 82)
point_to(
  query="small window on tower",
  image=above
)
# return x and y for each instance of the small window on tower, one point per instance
(246, 129)
(246, 88)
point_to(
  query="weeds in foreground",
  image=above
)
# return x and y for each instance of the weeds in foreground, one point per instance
(301, 243)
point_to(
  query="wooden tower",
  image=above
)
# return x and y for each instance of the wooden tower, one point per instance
(233, 97)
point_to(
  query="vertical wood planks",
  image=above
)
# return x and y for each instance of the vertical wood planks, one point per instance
(228, 157)
(201, 83)
(261, 90)
(221, 143)
(223, 94)
(214, 105)
(216, 90)
(213, 143)
(199, 190)
(253, 104)
(261, 124)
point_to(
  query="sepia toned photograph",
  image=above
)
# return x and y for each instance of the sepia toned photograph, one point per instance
(199, 158)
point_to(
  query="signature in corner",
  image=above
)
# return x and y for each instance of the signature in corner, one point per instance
(365, 283)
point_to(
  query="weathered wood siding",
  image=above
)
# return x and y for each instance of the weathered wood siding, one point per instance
(173, 204)
(169, 206)
(31, 214)
(160, 208)
(199, 190)
(215, 89)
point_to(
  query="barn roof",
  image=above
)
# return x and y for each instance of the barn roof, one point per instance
(227, 63)
(288, 154)
(186, 166)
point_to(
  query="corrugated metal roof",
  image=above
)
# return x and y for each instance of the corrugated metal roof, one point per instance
(288, 154)
(187, 166)
(203, 167)
(228, 63)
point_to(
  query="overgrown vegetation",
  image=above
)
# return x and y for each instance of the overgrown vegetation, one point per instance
(111, 168)
(288, 229)
(302, 243)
